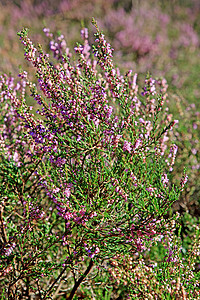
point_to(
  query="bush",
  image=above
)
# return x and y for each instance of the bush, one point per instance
(86, 180)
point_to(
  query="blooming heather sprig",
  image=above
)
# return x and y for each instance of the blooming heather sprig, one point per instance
(184, 181)
(149, 88)
(57, 45)
(172, 156)
(164, 179)
(86, 47)
(103, 52)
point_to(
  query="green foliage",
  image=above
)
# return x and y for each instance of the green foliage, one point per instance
(120, 242)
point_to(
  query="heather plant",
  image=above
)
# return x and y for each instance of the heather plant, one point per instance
(86, 181)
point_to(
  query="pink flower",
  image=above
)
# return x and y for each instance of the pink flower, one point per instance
(67, 192)
(164, 179)
(184, 181)
(127, 146)
(137, 143)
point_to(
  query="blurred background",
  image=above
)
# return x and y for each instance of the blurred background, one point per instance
(160, 36)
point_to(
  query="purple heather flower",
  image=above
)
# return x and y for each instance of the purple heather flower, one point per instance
(184, 181)
(9, 250)
(127, 146)
(194, 126)
(137, 143)
(164, 179)
(67, 192)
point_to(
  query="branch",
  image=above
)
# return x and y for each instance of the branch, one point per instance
(2, 227)
(56, 280)
(77, 284)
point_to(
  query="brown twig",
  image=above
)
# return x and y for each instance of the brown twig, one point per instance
(4, 236)
(77, 284)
